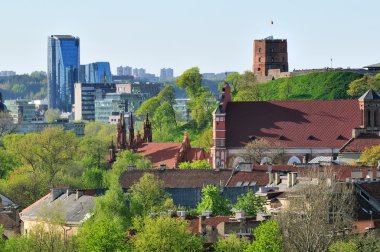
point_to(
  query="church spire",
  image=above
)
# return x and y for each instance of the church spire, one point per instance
(131, 138)
(147, 130)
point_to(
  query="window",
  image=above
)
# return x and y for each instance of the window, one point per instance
(368, 118)
(272, 49)
(259, 49)
(259, 59)
(217, 119)
(272, 59)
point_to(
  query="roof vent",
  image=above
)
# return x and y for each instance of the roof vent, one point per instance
(251, 138)
(311, 137)
(340, 137)
(282, 138)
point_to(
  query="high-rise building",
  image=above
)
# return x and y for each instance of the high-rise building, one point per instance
(63, 70)
(270, 54)
(124, 71)
(166, 74)
(98, 72)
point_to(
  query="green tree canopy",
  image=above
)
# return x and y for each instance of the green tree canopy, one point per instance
(51, 115)
(191, 81)
(166, 234)
(212, 199)
(196, 164)
(164, 117)
(148, 196)
(167, 95)
(360, 86)
(230, 244)
(370, 156)
(267, 238)
(250, 204)
(148, 107)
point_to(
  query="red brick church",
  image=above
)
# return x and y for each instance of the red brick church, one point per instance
(340, 129)
(167, 155)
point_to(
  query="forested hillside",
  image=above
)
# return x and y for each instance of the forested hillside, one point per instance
(314, 86)
(33, 86)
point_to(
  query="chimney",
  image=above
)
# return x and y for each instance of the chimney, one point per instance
(239, 215)
(294, 178)
(78, 194)
(289, 182)
(55, 193)
(182, 214)
(276, 178)
(270, 177)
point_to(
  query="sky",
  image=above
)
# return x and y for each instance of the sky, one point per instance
(215, 35)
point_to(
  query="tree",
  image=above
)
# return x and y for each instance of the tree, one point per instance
(201, 107)
(148, 196)
(254, 151)
(267, 238)
(92, 152)
(148, 107)
(6, 123)
(196, 164)
(166, 234)
(341, 246)
(212, 199)
(167, 95)
(370, 156)
(103, 234)
(191, 81)
(129, 158)
(51, 115)
(105, 229)
(230, 244)
(164, 117)
(316, 214)
(360, 86)
(249, 203)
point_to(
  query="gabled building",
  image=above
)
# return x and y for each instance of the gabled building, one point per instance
(69, 207)
(305, 129)
(164, 155)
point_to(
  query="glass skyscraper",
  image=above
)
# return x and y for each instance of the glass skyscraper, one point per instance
(63, 70)
(98, 72)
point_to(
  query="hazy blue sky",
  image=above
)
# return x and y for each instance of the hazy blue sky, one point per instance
(215, 35)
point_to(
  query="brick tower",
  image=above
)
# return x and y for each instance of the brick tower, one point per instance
(269, 54)
(218, 150)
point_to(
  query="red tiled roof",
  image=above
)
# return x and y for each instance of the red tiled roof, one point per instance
(361, 142)
(361, 227)
(292, 123)
(160, 153)
(175, 178)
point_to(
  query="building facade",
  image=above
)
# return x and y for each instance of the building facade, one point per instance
(166, 74)
(85, 96)
(270, 54)
(22, 111)
(301, 130)
(98, 72)
(63, 70)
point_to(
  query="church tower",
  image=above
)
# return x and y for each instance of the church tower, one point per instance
(147, 130)
(218, 150)
(369, 104)
(131, 136)
(121, 137)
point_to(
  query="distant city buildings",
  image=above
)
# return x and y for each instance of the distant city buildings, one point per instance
(7, 73)
(216, 76)
(124, 71)
(166, 74)
(97, 72)
(63, 70)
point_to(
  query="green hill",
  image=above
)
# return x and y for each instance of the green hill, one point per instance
(313, 86)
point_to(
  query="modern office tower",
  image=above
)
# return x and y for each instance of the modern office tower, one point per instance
(98, 72)
(163, 74)
(82, 74)
(63, 70)
(270, 53)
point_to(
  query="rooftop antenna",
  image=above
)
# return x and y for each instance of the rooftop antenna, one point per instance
(331, 63)
(271, 28)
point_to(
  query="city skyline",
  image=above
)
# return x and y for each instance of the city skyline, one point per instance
(217, 36)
